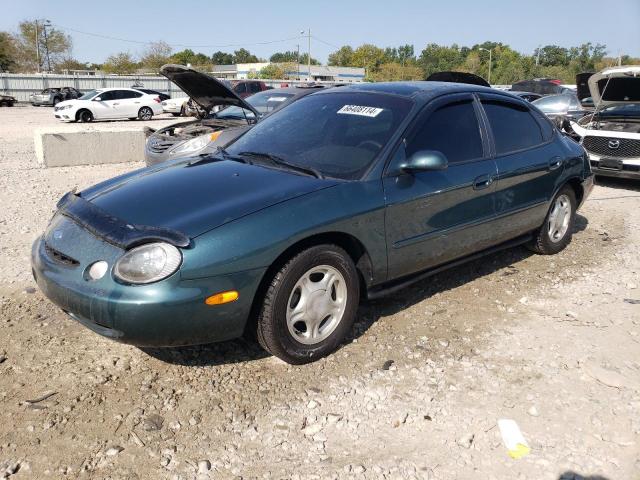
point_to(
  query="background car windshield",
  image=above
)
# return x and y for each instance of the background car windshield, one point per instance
(87, 96)
(630, 110)
(338, 134)
(553, 103)
(263, 102)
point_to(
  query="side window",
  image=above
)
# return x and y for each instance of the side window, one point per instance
(254, 87)
(241, 88)
(126, 94)
(514, 128)
(453, 130)
(545, 124)
(110, 95)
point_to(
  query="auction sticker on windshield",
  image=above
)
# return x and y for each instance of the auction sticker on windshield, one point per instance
(276, 99)
(360, 110)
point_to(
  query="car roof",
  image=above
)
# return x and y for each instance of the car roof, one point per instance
(424, 90)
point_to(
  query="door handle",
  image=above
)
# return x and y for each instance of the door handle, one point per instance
(115, 104)
(555, 163)
(483, 181)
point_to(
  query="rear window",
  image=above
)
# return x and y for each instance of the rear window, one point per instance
(513, 126)
(339, 134)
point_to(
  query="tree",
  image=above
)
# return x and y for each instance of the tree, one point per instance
(438, 58)
(343, 57)
(222, 58)
(368, 56)
(121, 63)
(70, 64)
(552, 55)
(244, 56)
(156, 55)
(406, 54)
(273, 70)
(394, 71)
(50, 40)
(8, 52)
(279, 57)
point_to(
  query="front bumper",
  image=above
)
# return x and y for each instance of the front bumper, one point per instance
(615, 167)
(171, 312)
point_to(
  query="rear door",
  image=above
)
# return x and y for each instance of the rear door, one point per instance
(529, 163)
(128, 103)
(433, 217)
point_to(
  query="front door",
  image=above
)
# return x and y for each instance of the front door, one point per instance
(433, 217)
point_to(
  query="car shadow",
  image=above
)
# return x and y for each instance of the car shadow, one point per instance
(246, 350)
(570, 475)
(618, 183)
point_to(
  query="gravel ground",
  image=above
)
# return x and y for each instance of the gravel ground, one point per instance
(416, 392)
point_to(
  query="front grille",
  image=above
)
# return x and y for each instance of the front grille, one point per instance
(60, 257)
(627, 147)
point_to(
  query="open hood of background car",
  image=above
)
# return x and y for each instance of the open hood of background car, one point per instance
(615, 85)
(205, 90)
(458, 77)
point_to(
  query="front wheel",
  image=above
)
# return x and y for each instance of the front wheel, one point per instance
(84, 116)
(310, 305)
(557, 229)
(145, 113)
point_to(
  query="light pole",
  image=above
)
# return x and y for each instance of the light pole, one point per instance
(298, 61)
(488, 50)
(37, 47)
(47, 23)
(308, 53)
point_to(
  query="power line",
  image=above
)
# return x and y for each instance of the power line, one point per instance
(326, 43)
(180, 45)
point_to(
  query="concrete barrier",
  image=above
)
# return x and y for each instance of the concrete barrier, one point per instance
(70, 145)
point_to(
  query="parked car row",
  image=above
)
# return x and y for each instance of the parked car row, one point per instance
(342, 194)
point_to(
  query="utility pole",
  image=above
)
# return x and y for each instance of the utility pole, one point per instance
(538, 56)
(309, 57)
(298, 61)
(490, 62)
(37, 47)
(46, 24)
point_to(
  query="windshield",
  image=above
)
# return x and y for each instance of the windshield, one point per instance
(89, 95)
(264, 102)
(337, 134)
(553, 103)
(626, 110)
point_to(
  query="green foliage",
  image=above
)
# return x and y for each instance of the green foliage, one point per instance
(156, 55)
(121, 63)
(222, 58)
(31, 58)
(244, 56)
(189, 57)
(273, 70)
(343, 57)
(8, 52)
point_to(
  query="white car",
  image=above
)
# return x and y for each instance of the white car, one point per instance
(109, 104)
(175, 106)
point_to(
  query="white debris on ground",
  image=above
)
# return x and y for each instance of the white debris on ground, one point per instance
(551, 343)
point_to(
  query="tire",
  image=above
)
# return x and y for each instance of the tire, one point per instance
(324, 315)
(84, 116)
(182, 112)
(145, 113)
(176, 114)
(556, 231)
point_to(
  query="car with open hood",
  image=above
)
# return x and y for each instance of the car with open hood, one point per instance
(53, 96)
(348, 193)
(227, 114)
(611, 134)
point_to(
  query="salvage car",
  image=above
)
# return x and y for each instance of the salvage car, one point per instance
(202, 136)
(53, 96)
(611, 134)
(7, 100)
(109, 104)
(345, 194)
(562, 108)
(174, 106)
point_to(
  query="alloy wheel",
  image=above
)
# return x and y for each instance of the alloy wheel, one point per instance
(559, 218)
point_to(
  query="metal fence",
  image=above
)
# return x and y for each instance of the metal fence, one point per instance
(22, 85)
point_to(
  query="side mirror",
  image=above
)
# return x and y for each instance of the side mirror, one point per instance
(97, 99)
(424, 160)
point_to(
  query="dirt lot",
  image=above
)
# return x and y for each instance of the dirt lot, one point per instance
(550, 342)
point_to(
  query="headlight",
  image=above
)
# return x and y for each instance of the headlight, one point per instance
(148, 263)
(194, 144)
(64, 107)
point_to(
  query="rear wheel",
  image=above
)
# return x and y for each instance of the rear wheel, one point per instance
(310, 305)
(556, 231)
(84, 116)
(145, 113)
(176, 114)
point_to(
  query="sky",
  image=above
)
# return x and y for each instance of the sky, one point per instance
(208, 26)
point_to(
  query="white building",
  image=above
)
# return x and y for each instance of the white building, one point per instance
(319, 73)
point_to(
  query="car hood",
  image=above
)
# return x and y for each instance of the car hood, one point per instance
(195, 197)
(615, 85)
(205, 90)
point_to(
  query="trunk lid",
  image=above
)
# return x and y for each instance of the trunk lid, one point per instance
(615, 85)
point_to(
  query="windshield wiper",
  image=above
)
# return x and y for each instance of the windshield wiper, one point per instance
(221, 151)
(276, 160)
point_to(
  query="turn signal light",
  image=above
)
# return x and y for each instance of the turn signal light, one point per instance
(222, 297)
(215, 135)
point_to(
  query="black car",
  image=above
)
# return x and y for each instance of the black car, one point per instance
(163, 96)
(528, 96)
(543, 86)
(7, 101)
